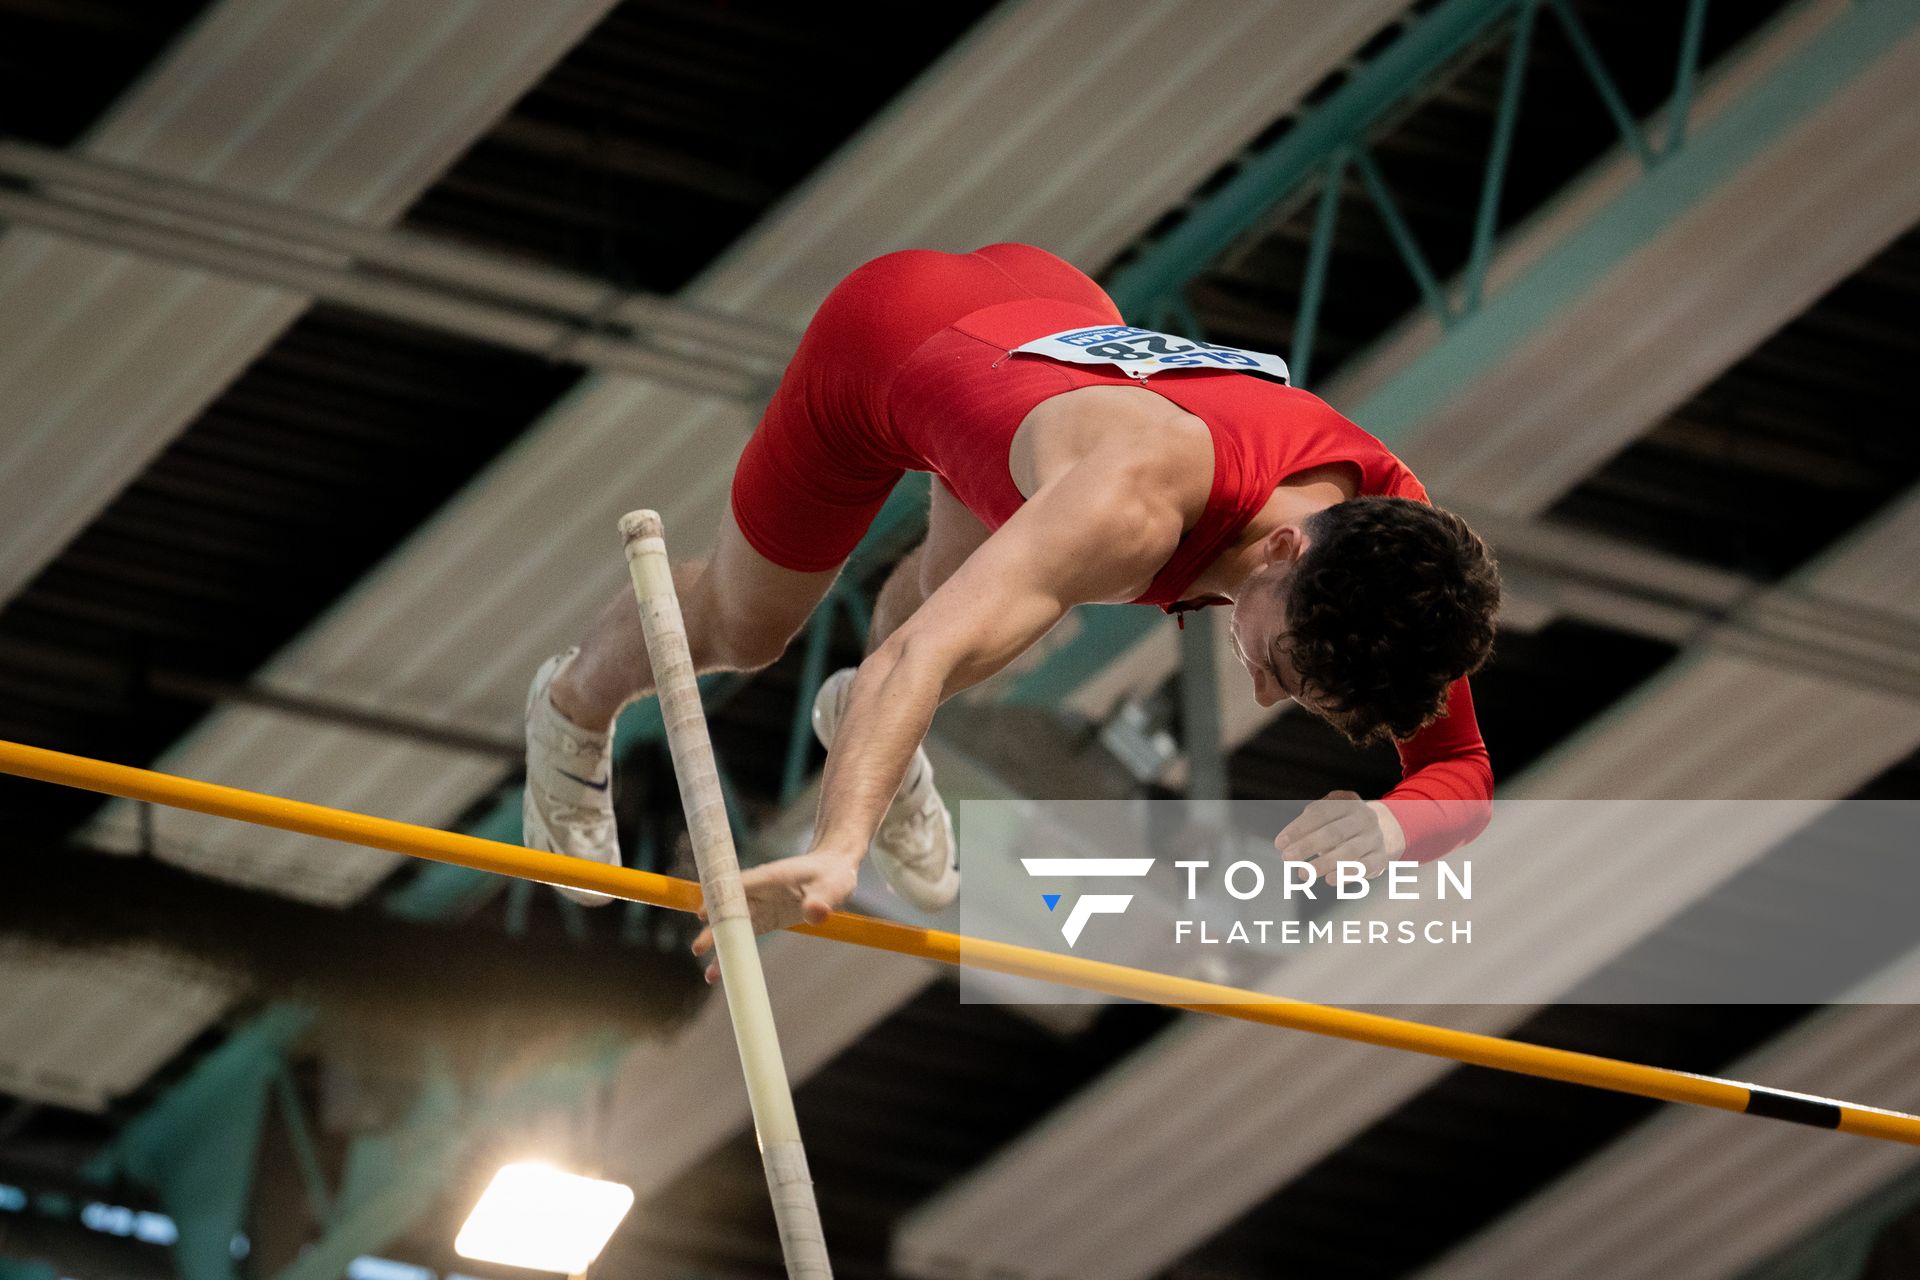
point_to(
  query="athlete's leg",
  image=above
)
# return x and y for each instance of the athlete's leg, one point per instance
(809, 482)
(953, 534)
(899, 596)
(914, 848)
(741, 608)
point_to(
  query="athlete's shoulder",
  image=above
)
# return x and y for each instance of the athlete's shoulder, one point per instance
(1387, 476)
(1407, 485)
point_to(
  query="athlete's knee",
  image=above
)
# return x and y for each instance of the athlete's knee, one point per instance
(736, 637)
(907, 578)
(934, 570)
(749, 646)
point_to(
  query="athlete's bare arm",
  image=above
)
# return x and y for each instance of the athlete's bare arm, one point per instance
(1097, 531)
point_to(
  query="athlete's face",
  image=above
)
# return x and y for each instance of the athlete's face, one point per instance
(1259, 623)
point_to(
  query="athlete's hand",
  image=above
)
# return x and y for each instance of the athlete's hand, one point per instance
(808, 887)
(1341, 827)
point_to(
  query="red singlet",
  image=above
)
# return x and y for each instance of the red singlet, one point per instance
(1262, 432)
(908, 366)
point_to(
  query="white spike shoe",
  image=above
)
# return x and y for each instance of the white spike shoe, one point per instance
(568, 808)
(914, 848)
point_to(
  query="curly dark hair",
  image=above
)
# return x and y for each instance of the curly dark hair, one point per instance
(1392, 602)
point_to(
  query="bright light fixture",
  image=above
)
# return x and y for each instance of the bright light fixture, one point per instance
(543, 1218)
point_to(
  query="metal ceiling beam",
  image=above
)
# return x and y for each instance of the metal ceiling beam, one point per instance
(349, 112)
(130, 680)
(1570, 264)
(452, 265)
(403, 276)
(1551, 570)
(393, 1178)
(1506, 409)
(1574, 572)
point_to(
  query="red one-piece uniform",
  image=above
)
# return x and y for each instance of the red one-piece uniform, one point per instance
(910, 365)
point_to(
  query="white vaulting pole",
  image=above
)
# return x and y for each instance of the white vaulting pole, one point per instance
(795, 1212)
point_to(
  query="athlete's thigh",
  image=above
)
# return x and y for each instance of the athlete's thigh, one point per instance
(756, 603)
(953, 534)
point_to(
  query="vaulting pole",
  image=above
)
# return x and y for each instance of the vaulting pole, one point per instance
(997, 957)
(795, 1212)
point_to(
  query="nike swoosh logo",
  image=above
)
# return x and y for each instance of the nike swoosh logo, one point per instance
(597, 786)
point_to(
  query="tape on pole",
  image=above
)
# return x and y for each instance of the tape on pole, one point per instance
(795, 1212)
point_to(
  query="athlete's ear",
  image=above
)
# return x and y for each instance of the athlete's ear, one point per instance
(1285, 545)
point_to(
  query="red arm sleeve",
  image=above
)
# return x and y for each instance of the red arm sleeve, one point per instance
(1445, 797)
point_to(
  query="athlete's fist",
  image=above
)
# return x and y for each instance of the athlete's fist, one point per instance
(1341, 827)
(786, 892)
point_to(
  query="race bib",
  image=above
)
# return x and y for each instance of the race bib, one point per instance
(1141, 353)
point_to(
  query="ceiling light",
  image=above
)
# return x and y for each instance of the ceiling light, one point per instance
(544, 1219)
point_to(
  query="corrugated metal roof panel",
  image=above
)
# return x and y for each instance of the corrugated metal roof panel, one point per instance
(403, 88)
(81, 1029)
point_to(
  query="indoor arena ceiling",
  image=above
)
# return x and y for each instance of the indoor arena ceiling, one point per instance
(316, 551)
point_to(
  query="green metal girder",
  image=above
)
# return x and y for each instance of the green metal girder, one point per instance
(1512, 84)
(395, 1177)
(1303, 152)
(1200, 710)
(1477, 342)
(390, 1179)
(196, 1146)
(1714, 153)
(1316, 148)
(1101, 633)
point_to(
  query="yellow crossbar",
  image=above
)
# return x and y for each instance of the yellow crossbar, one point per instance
(999, 957)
